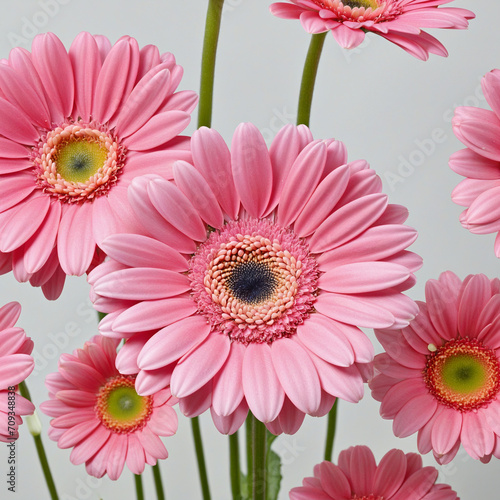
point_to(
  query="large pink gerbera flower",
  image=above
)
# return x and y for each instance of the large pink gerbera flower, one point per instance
(261, 266)
(98, 413)
(398, 476)
(399, 21)
(440, 375)
(479, 130)
(16, 364)
(75, 128)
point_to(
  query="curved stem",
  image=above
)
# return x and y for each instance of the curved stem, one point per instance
(309, 78)
(330, 433)
(234, 465)
(42, 456)
(198, 445)
(259, 437)
(138, 487)
(158, 482)
(212, 28)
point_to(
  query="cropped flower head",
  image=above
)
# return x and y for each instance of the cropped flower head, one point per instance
(440, 375)
(260, 268)
(16, 364)
(75, 128)
(398, 476)
(399, 21)
(98, 413)
(479, 162)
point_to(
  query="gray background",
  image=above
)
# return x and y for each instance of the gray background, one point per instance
(389, 108)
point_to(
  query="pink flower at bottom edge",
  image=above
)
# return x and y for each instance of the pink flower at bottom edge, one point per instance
(98, 413)
(398, 476)
(399, 21)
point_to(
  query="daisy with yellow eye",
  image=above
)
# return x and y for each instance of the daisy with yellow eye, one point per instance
(399, 21)
(440, 375)
(76, 127)
(98, 413)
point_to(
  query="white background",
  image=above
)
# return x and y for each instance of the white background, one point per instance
(388, 108)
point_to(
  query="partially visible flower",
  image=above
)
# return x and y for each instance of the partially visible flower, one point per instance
(479, 130)
(75, 128)
(16, 364)
(440, 375)
(98, 413)
(260, 269)
(398, 476)
(399, 21)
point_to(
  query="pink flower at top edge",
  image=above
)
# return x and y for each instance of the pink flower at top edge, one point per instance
(16, 364)
(399, 21)
(75, 128)
(98, 413)
(479, 162)
(398, 476)
(440, 376)
(260, 268)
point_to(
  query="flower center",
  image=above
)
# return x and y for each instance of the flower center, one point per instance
(78, 162)
(120, 408)
(254, 281)
(358, 10)
(463, 374)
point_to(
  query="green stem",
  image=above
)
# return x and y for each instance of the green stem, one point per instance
(42, 456)
(212, 28)
(330, 433)
(198, 445)
(309, 78)
(234, 465)
(158, 482)
(249, 435)
(138, 486)
(259, 459)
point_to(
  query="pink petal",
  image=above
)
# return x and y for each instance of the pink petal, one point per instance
(231, 423)
(252, 170)
(477, 438)
(446, 430)
(470, 164)
(333, 481)
(75, 242)
(301, 182)
(163, 421)
(15, 368)
(200, 365)
(198, 402)
(9, 314)
(414, 414)
(263, 390)
(301, 386)
(417, 485)
(149, 382)
(172, 342)
(228, 383)
(390, 474)
(347, 37)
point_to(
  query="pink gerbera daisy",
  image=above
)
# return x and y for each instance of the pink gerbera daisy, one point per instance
(479, 130)
(98, 413)
(440, 375)
(399, 21)
(75, 128)
(398, 476)
(16, 364)
(260, 268)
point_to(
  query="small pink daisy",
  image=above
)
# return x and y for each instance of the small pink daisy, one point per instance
(75, 128)
(260, 269)
(440, 375)
(16, 364)
(399, 21)
(398, 476)
(98, 413)
(479, 130)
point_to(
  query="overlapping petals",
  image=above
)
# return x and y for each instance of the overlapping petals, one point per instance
(16, 363)
(97, 412)
(398, 476)
(259, 270)
(440, 376)
(76, 127)
(399, 21)
(478, 129)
